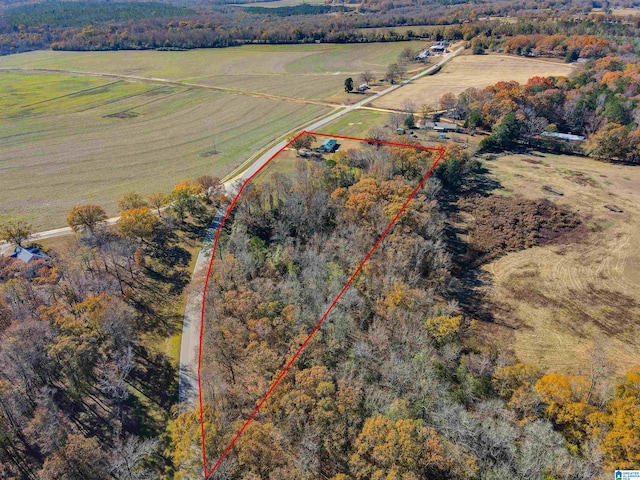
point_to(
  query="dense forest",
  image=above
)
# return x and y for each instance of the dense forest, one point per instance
(86, 390)
(396, 383)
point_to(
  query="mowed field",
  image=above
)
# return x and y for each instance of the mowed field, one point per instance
(560, 302)
(68, 140)
(313, 71)
(467, 71)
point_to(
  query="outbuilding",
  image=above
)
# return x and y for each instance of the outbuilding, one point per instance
(28, 254)
(329, 146)
(569, 137)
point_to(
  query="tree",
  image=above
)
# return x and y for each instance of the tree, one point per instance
(86, 217)
(15, 232)
(396, 119)
(621, 445)
(183, 198)
(448, 101)
(138, 223)
(394, 72)
(366, 77)
(79, 458)
(303, 141)
(209, 184)
(131, 200)
(504, 136)
(613, 142)
(129, 458)
(401, 449)
(157, 200)
(426, 110)
(406, 55)
(348, 85)
(410, 121)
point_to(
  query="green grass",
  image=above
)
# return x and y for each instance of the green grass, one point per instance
(357, 123)
(29, 95)
(78, 152)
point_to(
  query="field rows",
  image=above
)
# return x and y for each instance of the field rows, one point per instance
(92, 152)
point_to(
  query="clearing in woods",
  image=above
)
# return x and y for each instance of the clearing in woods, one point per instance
(61, 148)
(467, 71)
(559, 302)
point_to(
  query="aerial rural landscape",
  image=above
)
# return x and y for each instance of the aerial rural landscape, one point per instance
(319, 240)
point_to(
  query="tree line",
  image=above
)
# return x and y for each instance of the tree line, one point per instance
(86, 389)
(134, 27)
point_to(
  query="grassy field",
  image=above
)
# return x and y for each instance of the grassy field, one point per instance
(356, 123)
(560, 302)
(467, 71)
(95, 146)
(314, 71)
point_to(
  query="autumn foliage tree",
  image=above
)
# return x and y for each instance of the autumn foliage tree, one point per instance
(138, 224)
(86, 217)
(15, 231)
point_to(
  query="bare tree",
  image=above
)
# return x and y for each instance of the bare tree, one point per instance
(448, 101)
(396, 119)
(394, 72)
(127, 462)
(366, 76)
(409, 107)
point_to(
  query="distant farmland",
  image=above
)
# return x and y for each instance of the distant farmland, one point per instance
(313, 71)
(477, 71)
(59, 148)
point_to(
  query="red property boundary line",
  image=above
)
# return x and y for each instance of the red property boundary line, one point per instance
(208, 473)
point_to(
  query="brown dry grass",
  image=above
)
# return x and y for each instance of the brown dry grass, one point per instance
(467, 71)
(560, 302)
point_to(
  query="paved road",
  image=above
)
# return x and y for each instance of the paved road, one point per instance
(58, 232)
(315, 126)
(188, 382)
(191, 325)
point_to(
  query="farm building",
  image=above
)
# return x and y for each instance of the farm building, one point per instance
(329, 146)
(28, 254)
(569, 137)
(439, 126)
(362, 88)
(423, 55)
(438, 48)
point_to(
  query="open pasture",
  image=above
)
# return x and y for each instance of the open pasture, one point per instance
(560, 302)
(467, 71)
(143, 138)
(312, 71)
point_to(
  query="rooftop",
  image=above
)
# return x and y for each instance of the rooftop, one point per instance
(28, 254)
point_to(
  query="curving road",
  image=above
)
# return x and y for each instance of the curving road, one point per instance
(191, 323)
(191, 327)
